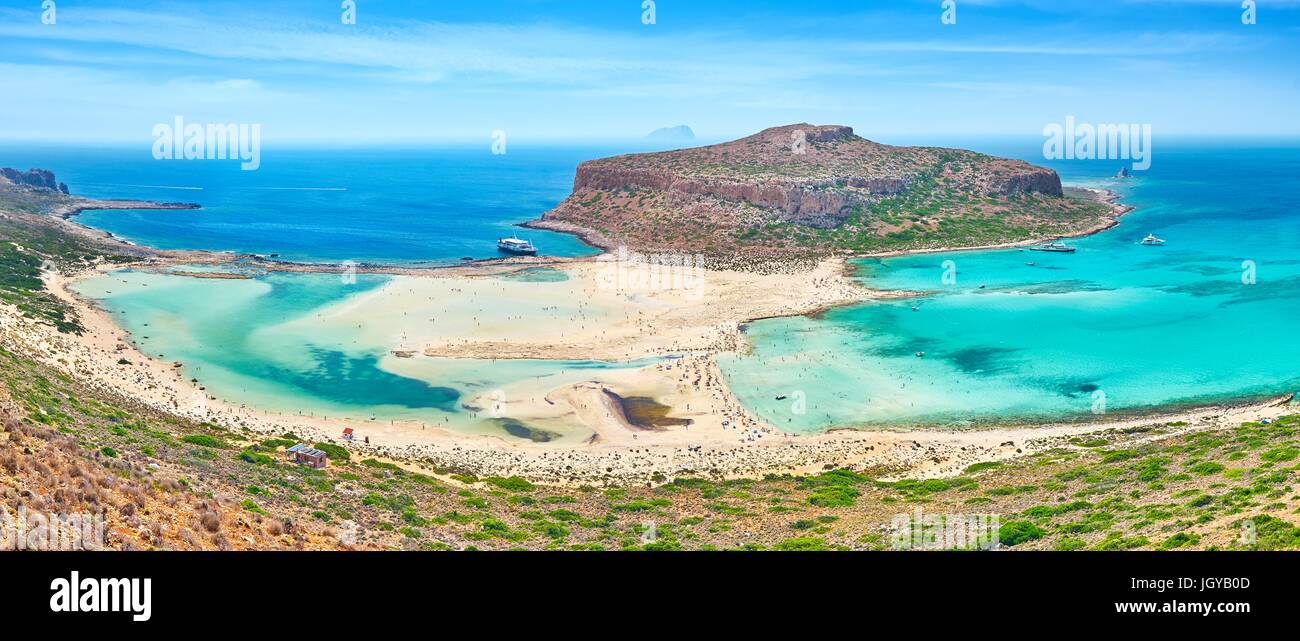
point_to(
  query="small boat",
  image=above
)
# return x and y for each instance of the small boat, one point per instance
(780, 397)
(516, 246)
(1152, 240)
(1052, 247)
(920, 354)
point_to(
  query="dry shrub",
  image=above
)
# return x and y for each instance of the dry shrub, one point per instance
(64, 496)
(134, 493)
(210, 520)
(10, 462)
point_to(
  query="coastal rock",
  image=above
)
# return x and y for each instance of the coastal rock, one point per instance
(40, 178)
(721, 197)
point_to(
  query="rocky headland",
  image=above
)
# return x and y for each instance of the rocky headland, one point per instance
(807, 190)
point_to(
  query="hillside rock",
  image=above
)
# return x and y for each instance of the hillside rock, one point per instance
(718, 198)
(40, 178)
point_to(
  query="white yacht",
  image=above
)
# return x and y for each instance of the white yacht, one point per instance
(1152, 240)
(517, 246)
(1052, 247)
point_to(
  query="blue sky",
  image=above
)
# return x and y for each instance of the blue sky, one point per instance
(579, 70)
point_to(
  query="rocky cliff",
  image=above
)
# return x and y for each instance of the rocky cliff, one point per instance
(40, 178)
(826, 187)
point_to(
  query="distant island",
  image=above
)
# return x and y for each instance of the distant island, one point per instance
(810, 190)
(678, 133)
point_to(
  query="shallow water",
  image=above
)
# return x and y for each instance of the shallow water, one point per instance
(1116, 326)
(240, 339)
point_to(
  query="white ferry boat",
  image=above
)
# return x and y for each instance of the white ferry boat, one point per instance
(516, 246)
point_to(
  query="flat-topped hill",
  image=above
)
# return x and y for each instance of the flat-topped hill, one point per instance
(804, 190)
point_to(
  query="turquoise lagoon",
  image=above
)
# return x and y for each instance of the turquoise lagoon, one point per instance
(1115, 327)
(235, 337)
(1139, 327)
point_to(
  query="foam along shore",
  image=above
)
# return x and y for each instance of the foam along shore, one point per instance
(711, 433)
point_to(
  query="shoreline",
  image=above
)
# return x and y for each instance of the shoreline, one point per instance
(721, 438)
(615, 454)
(1117, 211)
(588, 236)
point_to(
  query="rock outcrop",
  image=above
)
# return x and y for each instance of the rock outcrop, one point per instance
(814, 177)
(39, 178)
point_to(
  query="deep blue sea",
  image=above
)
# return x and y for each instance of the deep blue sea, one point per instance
(392, 205)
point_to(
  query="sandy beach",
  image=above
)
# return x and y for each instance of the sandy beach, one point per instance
(601, 314)
(670, 312)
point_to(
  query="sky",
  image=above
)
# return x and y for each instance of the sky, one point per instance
(585, 70)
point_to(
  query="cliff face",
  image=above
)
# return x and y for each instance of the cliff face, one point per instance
(812, 177)
(40, 178)
(818, 202)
